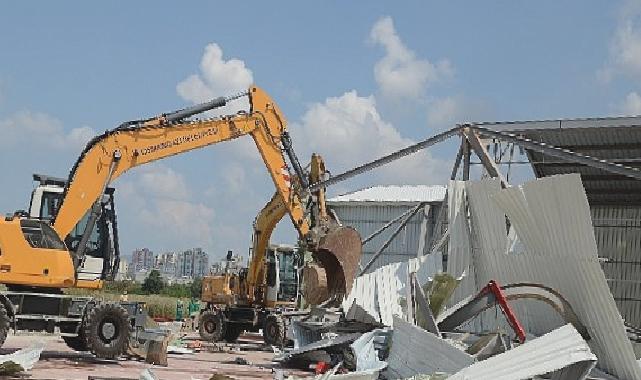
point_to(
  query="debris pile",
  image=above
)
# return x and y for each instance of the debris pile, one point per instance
(522, 296)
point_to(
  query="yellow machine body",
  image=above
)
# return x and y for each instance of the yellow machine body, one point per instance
(22, 264)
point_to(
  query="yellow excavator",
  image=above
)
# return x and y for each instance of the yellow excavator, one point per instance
(38, 257)
(257, 298)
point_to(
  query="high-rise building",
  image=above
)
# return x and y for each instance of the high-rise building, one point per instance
(123, 271)
(201, 263)
(192, 263)
(166, 263)
(142, 259)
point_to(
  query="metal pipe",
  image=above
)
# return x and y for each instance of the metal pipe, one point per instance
(95, 212)
(202, 107)
(289, 149)
(394, 234)
(387, 159)
(386, 226)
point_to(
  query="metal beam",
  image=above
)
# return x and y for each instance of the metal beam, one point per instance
(392, 237)
(466, 158)
(563, 154)
(386, 226)
(616, 145)
(559, 124)
(386, 159)
(483, 155)
(457, 161)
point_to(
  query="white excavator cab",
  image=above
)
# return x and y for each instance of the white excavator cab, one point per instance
(283, 274)
(102, 255)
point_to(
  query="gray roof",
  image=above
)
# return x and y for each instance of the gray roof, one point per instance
(394, 194)
(616, 139)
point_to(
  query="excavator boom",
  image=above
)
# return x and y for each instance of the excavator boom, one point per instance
(108, 156)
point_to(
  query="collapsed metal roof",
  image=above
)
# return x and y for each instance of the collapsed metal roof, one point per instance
(614, 139)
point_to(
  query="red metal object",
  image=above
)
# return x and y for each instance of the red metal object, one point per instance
(494, 288)
(322, 367)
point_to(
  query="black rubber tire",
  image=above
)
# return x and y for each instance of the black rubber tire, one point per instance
(5, 324)
(211, 326)
(274, 330)
(107, 347)
(232, 333)
(76, 343)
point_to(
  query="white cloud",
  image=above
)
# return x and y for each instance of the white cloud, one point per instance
(348, 130)
(446, 112)
(40, 130)
(159, 201)
(625, 47)
(217, 77)
(632, 104)
(400, 74)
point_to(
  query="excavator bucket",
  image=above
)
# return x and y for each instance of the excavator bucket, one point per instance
(335, 265)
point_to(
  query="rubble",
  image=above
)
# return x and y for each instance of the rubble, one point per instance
(562, 352)
(416, 351)
(523, 297)
(558, 321)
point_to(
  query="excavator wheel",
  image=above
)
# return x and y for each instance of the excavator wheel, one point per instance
(4, 324)
(211, 326)
(107, 330)
(274, 330)
(232, 332)
(76, 343)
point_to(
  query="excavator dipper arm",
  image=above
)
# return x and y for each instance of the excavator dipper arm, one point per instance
(108, 156)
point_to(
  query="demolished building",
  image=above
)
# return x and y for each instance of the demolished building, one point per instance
(561, 251)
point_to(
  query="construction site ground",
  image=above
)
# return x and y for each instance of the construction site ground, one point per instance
(60, 362)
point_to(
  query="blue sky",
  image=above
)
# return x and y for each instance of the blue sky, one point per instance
(355, 80)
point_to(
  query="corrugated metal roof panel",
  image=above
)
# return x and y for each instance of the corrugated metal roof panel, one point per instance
(558, 349)
(552, 218)
(618, 234)
(603, 139)
(405, 193)
(595, 122)
(415, 351)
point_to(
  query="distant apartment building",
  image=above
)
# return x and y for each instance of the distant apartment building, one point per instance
(166, 263)
(123, 271)
(201, 263)
(192, 263)
(174, 267)
(142, 260)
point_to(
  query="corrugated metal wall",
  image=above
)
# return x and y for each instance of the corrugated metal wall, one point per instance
(618, 234)
(366, 218)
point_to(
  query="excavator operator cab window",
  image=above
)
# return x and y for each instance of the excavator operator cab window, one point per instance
(288, 267)
(40, 235)
(49, 204)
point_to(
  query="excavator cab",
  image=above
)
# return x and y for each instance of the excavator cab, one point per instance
(102, 253)
(284, 264)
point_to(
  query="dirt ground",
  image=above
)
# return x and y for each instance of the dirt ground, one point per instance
(60, 362)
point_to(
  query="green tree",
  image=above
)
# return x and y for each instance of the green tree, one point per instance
(154, 283)
(196, 287)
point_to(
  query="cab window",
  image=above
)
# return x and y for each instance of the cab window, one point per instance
(50, 204)
(39, 234)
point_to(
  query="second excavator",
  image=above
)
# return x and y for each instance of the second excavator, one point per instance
(36, 263)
